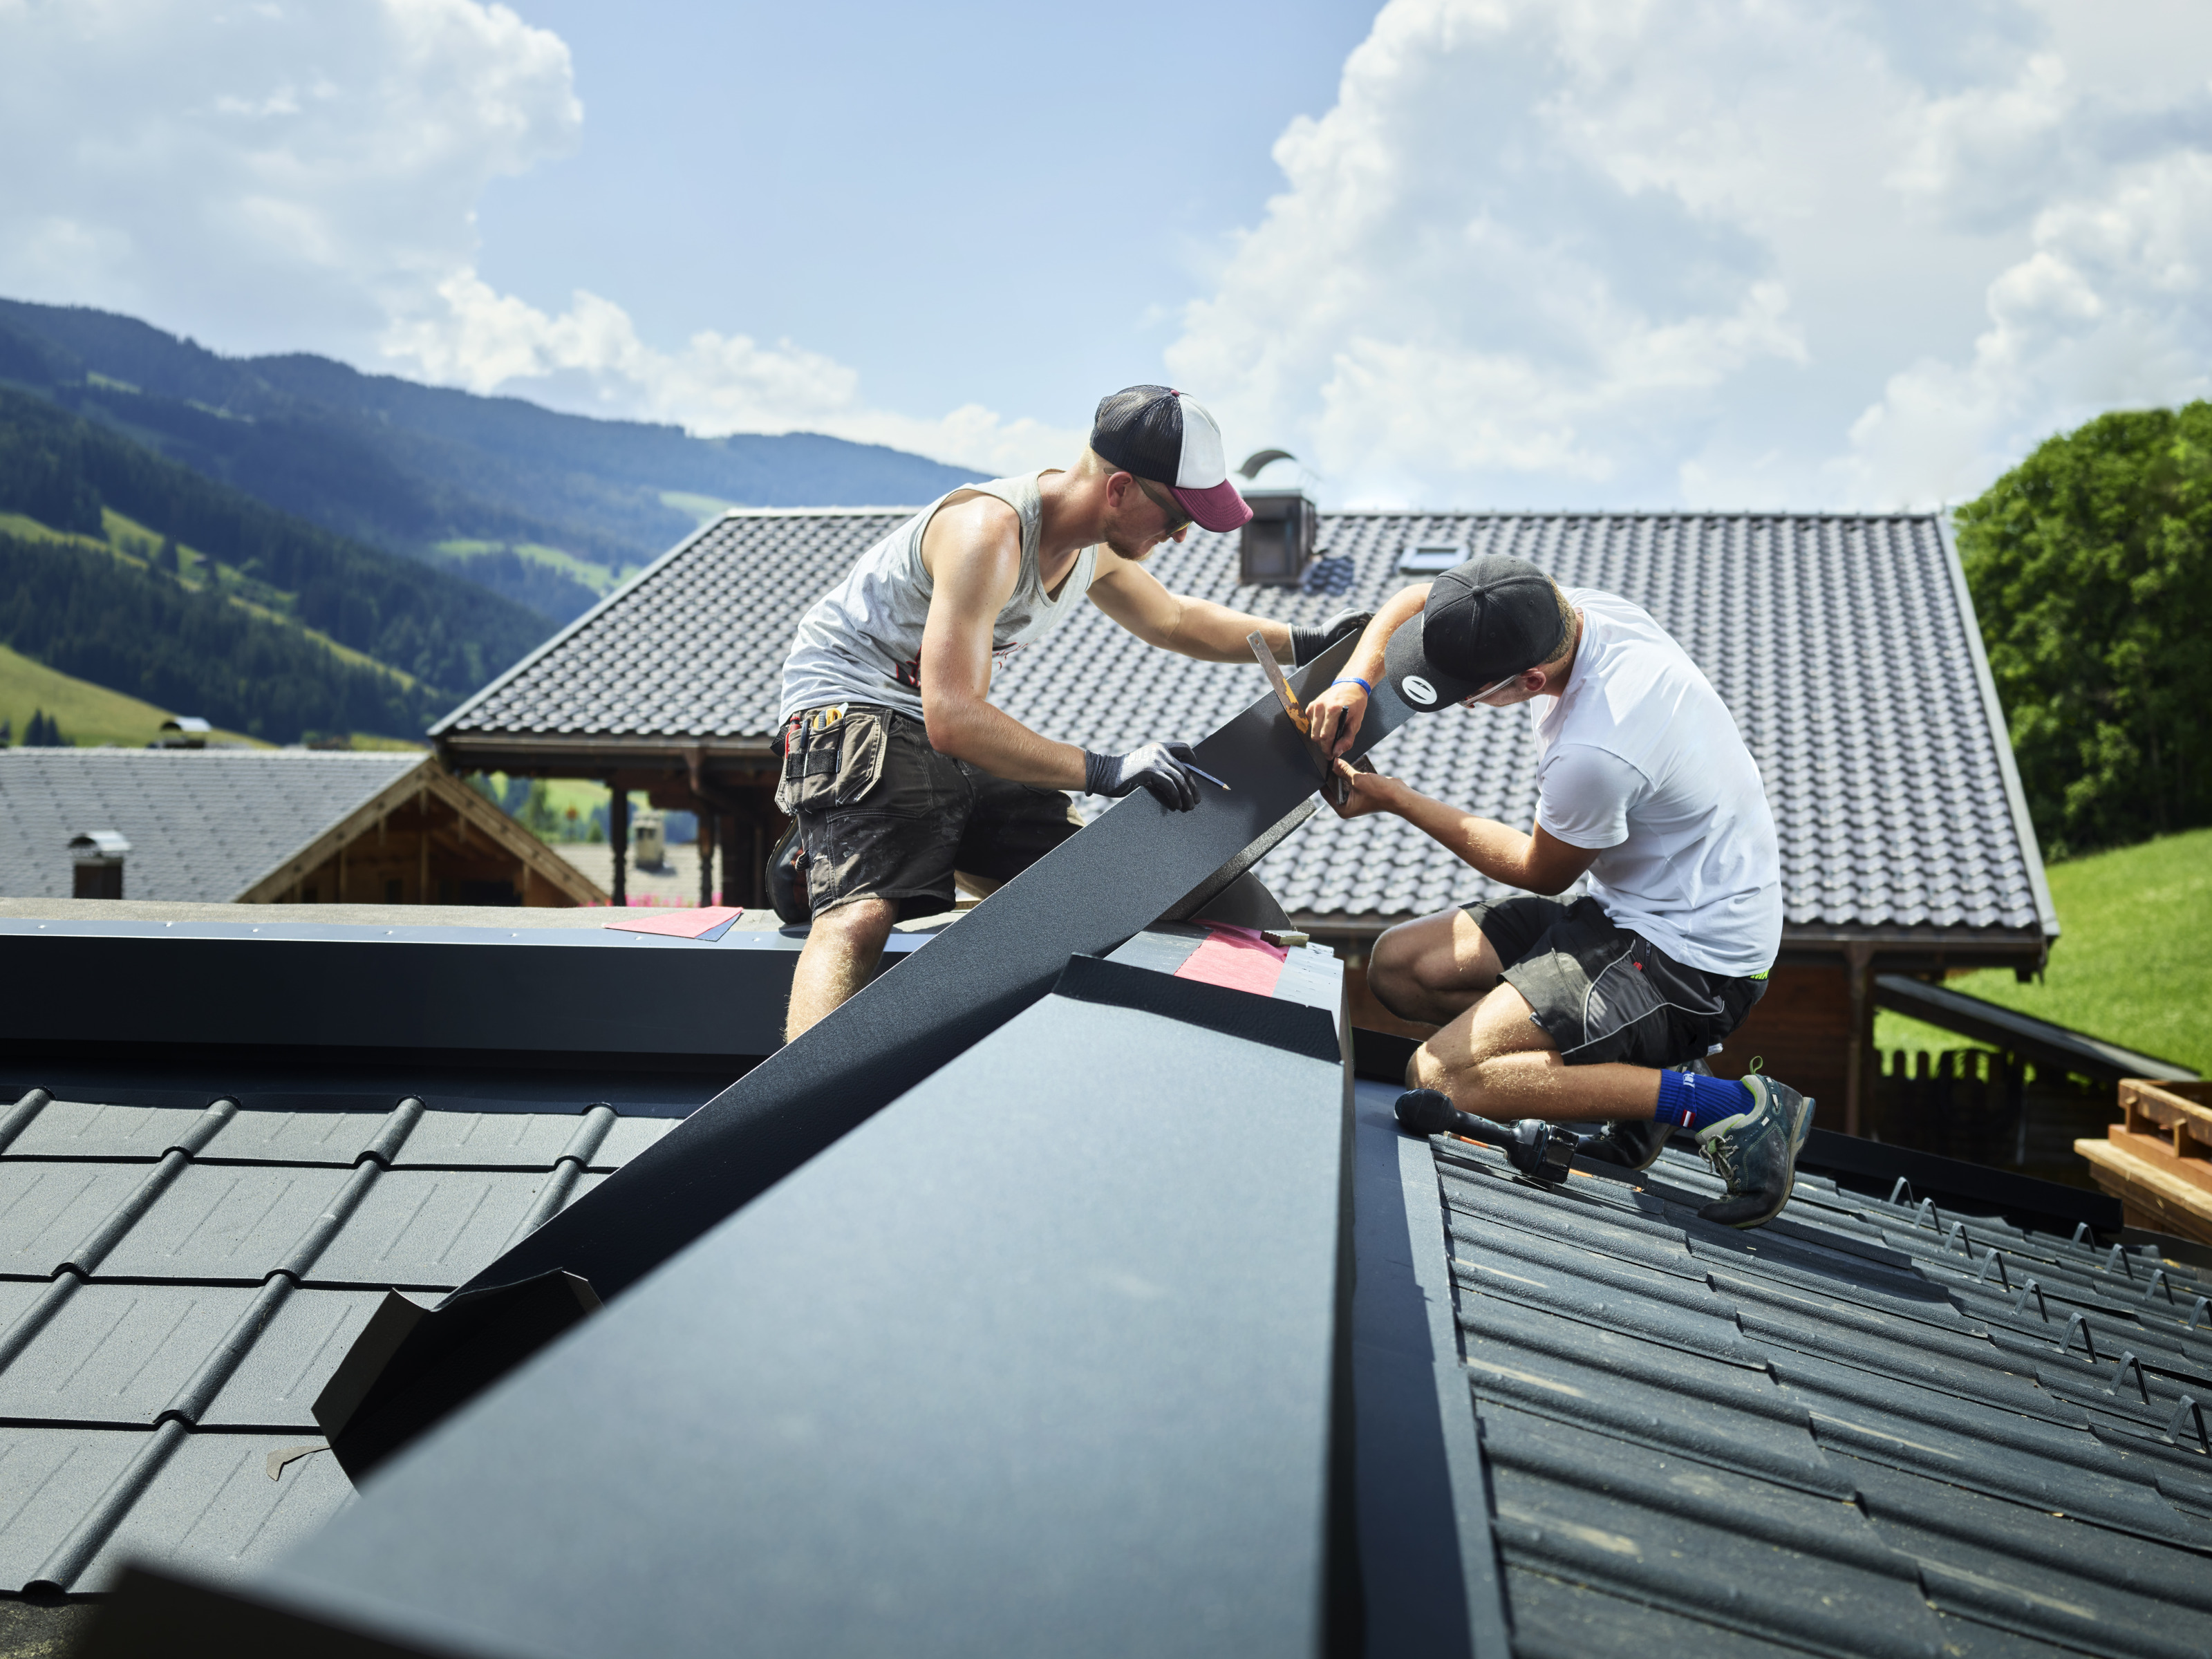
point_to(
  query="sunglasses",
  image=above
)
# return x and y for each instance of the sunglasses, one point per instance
(1491, 691)
(1168, 504)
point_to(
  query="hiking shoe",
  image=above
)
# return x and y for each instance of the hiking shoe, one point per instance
(1755, 1153)
(1636, 1143)
(1631, 1143)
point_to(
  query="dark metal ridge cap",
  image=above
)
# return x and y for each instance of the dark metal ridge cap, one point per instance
(2000, 731)
(2037, 1038)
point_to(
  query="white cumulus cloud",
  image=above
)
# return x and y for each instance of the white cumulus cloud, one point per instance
(1736, 252)
(280, 175)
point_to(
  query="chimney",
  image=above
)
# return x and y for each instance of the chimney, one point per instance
(97, 857)
(1276, 548)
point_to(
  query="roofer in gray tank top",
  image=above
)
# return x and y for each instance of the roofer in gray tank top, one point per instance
(898, 770)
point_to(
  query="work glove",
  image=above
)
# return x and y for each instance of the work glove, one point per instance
(1158, 766)
(1307, 643)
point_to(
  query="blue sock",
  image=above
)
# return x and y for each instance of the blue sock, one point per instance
(1688, 1101)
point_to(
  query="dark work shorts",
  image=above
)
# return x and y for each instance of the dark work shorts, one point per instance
(1601, 992)
(883, 816)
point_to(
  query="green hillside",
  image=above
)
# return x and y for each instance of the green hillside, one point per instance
(406, 467)
(391, 643)
(2133, 966)
(88, 714)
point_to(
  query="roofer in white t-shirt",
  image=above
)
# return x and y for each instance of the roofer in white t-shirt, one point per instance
(1603, 1009)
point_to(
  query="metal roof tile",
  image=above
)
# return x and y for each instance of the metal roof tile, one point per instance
(118, 1353)
(226, 1222)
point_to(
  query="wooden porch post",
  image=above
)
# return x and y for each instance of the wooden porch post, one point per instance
(618, 842)
(709, 827)
(1858, 959)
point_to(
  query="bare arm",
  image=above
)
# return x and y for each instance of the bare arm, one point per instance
(973, 550)
(1537, 863)
(1333, 717)
(1133, 597)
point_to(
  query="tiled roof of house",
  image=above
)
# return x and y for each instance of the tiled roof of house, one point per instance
(203, 825)
(1844, 644)
(1867, 1428)
(177, 1286)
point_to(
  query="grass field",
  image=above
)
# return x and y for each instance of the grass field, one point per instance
(2133, 964)
(89, 714)
(597, 577)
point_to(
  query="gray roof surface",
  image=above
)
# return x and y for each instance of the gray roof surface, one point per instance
(1855, 1430)
(177, 1286)
(1842, 643)
(203, 824)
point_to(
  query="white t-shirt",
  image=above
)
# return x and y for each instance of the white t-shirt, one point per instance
(1641, 758)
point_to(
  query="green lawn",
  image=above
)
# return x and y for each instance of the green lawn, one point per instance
(89, 714)
(2133, 964)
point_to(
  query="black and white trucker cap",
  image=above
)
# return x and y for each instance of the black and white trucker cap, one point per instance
(1485, 621)
(1157, 433)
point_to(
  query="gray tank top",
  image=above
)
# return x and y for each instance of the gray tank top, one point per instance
(861, 641)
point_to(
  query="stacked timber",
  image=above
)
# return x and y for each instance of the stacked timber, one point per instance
(2157, 1160)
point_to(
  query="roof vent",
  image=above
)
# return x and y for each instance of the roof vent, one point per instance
(1276, 547)
(97, 857)
(1428, 558)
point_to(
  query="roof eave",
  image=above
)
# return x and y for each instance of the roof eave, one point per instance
(595, 753)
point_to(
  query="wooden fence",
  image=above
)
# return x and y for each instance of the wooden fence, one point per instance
(1988, 1108)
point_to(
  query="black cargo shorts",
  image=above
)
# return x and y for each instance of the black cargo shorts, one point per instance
(882, 815)
(1601, 992)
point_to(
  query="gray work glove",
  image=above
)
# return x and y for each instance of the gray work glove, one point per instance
(1158, 766)
(1307, 643)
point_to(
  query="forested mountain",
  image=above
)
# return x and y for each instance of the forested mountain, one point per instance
(130, 570)
(549, 509)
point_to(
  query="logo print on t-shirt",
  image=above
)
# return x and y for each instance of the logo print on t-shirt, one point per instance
(1417, 690)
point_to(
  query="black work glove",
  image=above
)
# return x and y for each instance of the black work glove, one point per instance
(1158, 766)
(1307, 643)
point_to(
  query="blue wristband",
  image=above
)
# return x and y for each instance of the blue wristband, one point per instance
(1353, 679)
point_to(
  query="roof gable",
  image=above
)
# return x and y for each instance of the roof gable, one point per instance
(202, 825)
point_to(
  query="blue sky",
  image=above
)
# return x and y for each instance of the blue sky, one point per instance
(1734, 253)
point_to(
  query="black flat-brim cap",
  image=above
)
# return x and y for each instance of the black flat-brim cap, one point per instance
(1485, 621)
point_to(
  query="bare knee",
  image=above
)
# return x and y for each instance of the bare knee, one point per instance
(858, 926)
(1394, 972)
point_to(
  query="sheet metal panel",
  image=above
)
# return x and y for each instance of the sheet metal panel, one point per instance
(1134, 864)
(234, 1222)
(429, 1227)
(1827, 1434)
(116, 1353)
(1038, 1360)
(275, 1387)
(214, 1511)
(50, 1479)
(335, 1138)
(629, 1137)
(76, 1128)
(583, 990)
(46, 1210)
(487, 1141)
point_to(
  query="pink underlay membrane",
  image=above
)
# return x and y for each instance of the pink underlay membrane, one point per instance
(709, 924)
(1237, 957)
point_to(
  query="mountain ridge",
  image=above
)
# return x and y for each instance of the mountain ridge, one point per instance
(500, 490)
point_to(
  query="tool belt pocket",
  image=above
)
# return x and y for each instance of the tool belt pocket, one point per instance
(834, 758)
